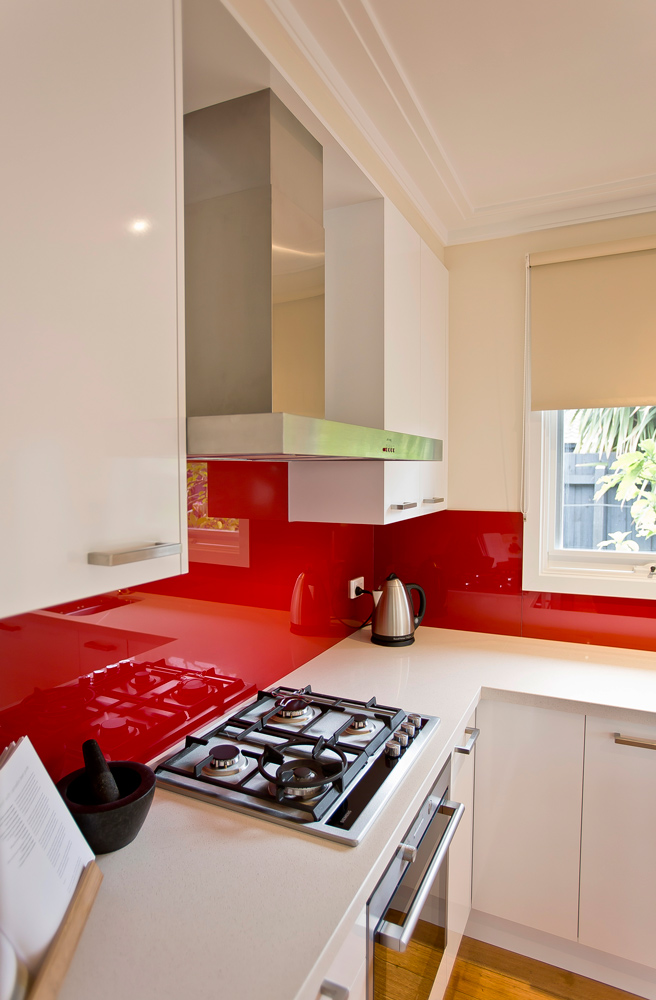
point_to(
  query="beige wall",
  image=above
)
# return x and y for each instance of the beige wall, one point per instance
(486, 357)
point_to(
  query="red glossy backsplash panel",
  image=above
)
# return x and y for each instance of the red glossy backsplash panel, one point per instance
(261, 620)
(469, 563)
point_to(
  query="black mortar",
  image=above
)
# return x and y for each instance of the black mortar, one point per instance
(108, 826)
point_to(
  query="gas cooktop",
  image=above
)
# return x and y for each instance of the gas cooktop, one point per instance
(323, 764)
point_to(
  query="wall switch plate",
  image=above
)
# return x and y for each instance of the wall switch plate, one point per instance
(357, 581)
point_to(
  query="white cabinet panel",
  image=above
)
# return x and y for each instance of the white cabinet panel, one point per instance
(527, 826)
(461, 789)
(386, 366)
(349, 968)
(89, 375)
(618, 856)
(460, 852)
(402, 388)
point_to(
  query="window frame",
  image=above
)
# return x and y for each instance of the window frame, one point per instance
(569, 571)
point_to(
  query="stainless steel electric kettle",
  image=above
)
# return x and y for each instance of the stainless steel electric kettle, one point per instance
(394, 621)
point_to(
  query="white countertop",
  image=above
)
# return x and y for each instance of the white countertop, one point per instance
(209, 903)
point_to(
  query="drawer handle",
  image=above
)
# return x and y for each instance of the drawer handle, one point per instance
(403, 506)
(433, 500)
(134, 555)
(397, 936)
(635, 741)
(104, 647)
(333, 990)
(469, 745)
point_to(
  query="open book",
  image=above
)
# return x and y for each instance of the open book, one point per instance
(42, 853)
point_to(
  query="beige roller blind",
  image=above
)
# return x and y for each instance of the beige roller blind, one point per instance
(593, 326)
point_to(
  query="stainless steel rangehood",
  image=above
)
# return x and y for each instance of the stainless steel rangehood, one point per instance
(254, 262)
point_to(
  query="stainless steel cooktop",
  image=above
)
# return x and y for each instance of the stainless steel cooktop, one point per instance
(323, 764)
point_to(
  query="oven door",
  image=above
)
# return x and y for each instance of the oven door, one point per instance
(407, 913)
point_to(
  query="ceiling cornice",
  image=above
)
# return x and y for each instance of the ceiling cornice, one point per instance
(412, 152)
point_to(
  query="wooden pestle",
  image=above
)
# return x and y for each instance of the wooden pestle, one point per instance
(100, 778)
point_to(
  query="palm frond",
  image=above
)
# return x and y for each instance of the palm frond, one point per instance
(615, 429)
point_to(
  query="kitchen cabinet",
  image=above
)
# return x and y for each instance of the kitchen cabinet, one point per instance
(386, 366)
(347, 975)
(527, 825)
(618, 866)
(92, 434)
(459, 885)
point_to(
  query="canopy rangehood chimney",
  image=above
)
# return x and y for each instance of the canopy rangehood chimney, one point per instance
(254, 262)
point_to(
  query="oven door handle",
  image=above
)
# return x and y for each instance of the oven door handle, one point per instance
(397, 936)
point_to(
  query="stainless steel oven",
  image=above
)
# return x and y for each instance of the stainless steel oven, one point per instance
(407, 913)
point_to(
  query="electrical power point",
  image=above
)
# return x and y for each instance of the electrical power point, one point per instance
(358, 581)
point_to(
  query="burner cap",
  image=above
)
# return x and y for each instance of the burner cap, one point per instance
(224, 754)
(359, 722)
(290, 708)
(304, 772)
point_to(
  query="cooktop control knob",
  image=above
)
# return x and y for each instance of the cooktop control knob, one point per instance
(415, 720)
(392, 748)
(408, 728)
(402, 738)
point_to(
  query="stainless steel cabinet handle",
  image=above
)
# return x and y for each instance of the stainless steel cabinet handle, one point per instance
(469, 745)
(433, 500)
(635, 741)
(134, 555)
(396, 936)
(333, 990)
(403, 506)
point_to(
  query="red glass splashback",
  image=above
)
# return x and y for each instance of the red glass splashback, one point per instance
(133, 710)
(469, 563)
(261, 620)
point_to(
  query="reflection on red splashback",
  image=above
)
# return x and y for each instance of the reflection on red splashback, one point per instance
(134, 711)
(262, 620)
(468, 562)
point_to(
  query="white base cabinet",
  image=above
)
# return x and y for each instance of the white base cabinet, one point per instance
(91, 400)
(347, 976)
(564, 859)
(618, 842)
(529, 776)
(459, 877)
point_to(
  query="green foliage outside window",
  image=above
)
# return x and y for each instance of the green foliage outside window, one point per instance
(630, 432)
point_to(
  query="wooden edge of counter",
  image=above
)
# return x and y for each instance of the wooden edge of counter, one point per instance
(58, 958)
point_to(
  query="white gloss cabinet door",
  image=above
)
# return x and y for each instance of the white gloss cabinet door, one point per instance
(386, 366)
(349, 968)
(433, 372)
(92, 439)
(618, 843)
(459, 884)
(402, 310)
(527, 825)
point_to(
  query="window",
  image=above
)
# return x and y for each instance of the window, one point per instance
(576, 540)
(590, 507)
(220, 540)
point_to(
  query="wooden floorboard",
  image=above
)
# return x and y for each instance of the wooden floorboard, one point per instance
(483, 972)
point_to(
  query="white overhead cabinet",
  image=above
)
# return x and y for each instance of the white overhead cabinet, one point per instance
(386, 366)
(91, 431)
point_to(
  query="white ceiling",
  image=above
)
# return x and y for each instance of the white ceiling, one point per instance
(497, 116)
